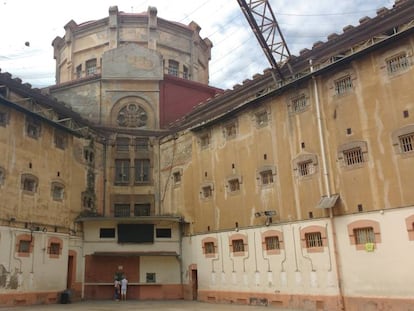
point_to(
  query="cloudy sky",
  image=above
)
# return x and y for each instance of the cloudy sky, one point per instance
(236, 55)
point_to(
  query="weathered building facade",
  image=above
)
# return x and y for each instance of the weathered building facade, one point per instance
(289, 193)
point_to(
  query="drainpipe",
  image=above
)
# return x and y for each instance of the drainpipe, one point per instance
(327, 184)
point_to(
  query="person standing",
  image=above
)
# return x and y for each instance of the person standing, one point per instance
(124, 285)
(117, 285)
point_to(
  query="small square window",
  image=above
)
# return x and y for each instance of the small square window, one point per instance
(141, 144)
(364, 235)
(237, 245)
(24, 246)
(306, 168)
(150, 277)
(142, 209)
(262, 118)
(406, 142)
(313, 239)
(205, 140)
(177, 177)
(54, 248)
(272, 242)
(60, 140)
(266, 177)
(29, 183)
(209, 248)
(57, 191)
(234, 185)
(32, 128)
(230, 130)
(343, 85)
(353, 156)
(207, 191)
(122, 144)
(298, 104)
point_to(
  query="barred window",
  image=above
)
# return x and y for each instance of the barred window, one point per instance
(91, 67)
(272, 242)
(343, 85)
(141, 143)
(237, 245)
(142, 209)
(266, 177)
(364, 235)
(234, 184)
(306, 168)
(406, 142)
(313, 239)
(122, 171)
(298, 104)
(122, 144)
(29, 183)
(122, 210)
(397, 63)
(209, 248)
(353, 156)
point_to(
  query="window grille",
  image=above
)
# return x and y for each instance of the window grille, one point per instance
(313, 239)
(272, 242)
(266, 177)
(397, 63)
(122, 171)
(234, 185)
(29, 184)
(353, 156)
(122, 144)
(142, 170)
(343, 85)
(209, 248)
(306, 168)
(122, 210)
(238, 245)
(141, 144)
(142, 209)
(150, 277)
(299, 103)
(364, 235)
(407, 142)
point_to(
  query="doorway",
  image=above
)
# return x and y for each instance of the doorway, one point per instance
(194, 283)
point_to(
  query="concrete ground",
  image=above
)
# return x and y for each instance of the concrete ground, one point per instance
(175, 305)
